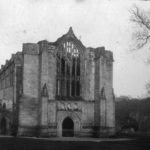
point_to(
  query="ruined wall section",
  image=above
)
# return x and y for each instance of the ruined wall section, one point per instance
(87, 118)
(52, 51)
(44, 63)
(8, 80)
(28, 104)
(7, 84)
(87, 91)
(110, 107)
(88, 73)
(47, 105)
(99, 84)
(52, 71)
(104, 101)
(31, 70)
(10, 85)
(83, 59)
(43, 83)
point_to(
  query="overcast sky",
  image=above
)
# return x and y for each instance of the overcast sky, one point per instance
(95, 22)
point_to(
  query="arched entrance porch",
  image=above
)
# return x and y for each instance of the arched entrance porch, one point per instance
(68, 127)
(63, 117)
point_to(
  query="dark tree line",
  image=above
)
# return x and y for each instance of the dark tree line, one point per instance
(133, 114)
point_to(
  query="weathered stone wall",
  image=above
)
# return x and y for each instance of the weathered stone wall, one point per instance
(18, 87)
(102, 98)
(51, 72)
(98, 75)
(82, 74)
(104, 102)
(31, 70)
(47, 78)
(28, 116)
(6, 95)
(87, 113)
(28, 111)
(9, 93)
(87, 119)
(44, 63)
(29, 102)
(52, 118)
(99, 83)
(43, 81)
(89, 75)
(52, 110)
(110, 107)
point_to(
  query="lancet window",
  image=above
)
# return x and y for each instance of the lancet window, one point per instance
(68, 71)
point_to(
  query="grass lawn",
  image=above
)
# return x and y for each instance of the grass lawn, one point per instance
(12, 143)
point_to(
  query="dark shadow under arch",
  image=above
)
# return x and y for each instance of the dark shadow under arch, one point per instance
(68, 127)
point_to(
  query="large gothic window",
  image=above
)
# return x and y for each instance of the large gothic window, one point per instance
(68, 71)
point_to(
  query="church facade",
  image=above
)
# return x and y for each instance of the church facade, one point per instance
(58, 89)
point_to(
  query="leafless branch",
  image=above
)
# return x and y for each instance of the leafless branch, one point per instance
(142, 38)
(141, 19)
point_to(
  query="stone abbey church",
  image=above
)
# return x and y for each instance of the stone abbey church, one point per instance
(55, 89)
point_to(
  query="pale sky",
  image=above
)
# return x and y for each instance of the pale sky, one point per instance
(96, 22)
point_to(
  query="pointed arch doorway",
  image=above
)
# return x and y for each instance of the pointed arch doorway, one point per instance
(68, 127)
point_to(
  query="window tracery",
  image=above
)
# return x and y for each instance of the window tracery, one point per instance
(68, 71)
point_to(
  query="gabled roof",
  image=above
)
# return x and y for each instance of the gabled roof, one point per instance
(69, 36)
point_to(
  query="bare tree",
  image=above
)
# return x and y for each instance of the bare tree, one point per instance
(142, 19)
(141, 34)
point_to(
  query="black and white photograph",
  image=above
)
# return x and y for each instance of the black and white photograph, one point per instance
(74, 74)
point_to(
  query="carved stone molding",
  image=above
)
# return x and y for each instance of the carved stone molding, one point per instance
(68, 106)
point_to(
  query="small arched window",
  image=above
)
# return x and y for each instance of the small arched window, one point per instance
(68, 71)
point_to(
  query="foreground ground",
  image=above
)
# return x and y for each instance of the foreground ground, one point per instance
(12, 143)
